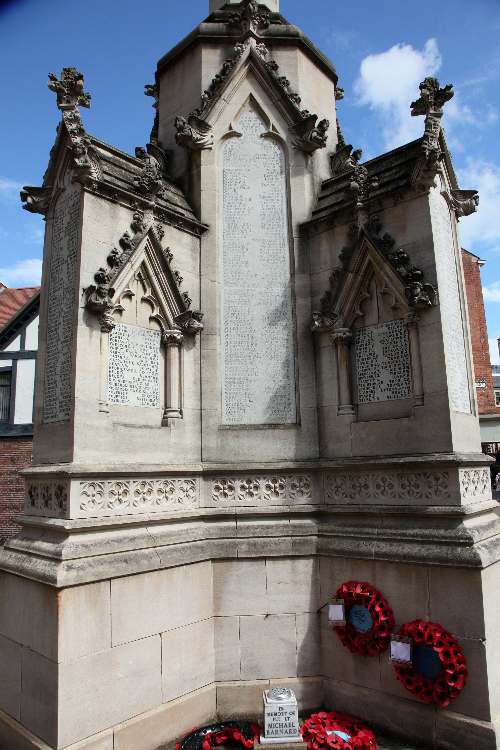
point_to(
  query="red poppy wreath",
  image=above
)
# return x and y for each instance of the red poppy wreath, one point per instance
(243, 733)
(337, 731)
(438, 669)
(369, 619)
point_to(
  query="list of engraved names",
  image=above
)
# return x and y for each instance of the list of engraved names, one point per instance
(61, 307)
(257, 329)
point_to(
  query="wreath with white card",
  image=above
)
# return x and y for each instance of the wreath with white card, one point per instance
(367, 622)
(436, 669)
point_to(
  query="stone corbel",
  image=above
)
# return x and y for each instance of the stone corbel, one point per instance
(172, 340)
(36, 199)
(190, 322)
(98, 300)
(342, 338)
(309, 134)
(344, 159)
(462, 202)
(193, 133)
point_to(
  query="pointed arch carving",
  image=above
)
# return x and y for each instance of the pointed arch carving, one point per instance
(140, 287)
(370, 312)
(307, 131)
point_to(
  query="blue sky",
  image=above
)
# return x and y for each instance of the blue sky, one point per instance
(381, 52)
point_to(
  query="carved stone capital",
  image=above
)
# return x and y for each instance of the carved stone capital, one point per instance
(174, 337)
(341, 336)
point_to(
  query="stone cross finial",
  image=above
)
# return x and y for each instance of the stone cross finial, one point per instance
(430, 104)
(69, 90)
(432, 98)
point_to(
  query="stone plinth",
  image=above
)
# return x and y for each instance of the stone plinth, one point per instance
(281, 717)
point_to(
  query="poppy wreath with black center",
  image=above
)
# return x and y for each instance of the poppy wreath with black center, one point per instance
(321, 731)
(377, 639)
(243, 733)
(448, 685)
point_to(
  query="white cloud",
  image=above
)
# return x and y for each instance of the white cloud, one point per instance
(9, 189)
(388, 83)
(23, 273)
(482, 229)
(494, 354)
(491, 293)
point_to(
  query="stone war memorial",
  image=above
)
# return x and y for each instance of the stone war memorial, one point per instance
(257, 491)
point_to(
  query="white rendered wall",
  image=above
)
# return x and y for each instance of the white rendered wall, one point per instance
(14, 346)
(25, 385)
(31, 340)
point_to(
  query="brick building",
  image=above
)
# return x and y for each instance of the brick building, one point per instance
(18, 349)
(489, 412)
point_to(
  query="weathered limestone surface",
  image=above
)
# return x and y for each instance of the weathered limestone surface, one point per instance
(254, 385)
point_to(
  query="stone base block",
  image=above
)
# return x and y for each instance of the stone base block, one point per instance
(417, 722)
(13, 736)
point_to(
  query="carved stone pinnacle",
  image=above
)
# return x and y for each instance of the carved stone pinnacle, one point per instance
(69, 89)
(432, 98)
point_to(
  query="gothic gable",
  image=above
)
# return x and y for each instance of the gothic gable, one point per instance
(369, 288)
(195, 131)
(372, 260)
(141, 259)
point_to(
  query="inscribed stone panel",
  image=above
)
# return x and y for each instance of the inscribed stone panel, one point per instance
(382, 362)
(134, 366)
(257, 316)
(65, 232)
(452, 321)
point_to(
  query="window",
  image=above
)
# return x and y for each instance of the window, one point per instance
(5, 381)
(497, 398)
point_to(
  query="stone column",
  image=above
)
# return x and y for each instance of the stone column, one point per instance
(416, 365)
(173, 383)
(342, 338)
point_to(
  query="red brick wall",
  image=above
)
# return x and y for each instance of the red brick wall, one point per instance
(15, 454)
(479, 333)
